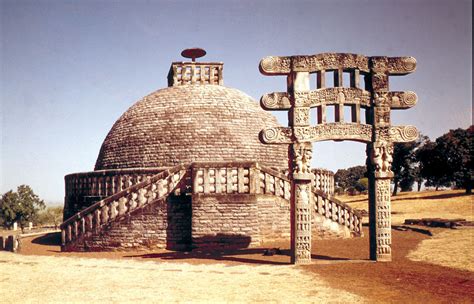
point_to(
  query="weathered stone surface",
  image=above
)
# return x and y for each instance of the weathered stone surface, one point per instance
(377, 133)
(151, 188)
(190, 123)
(215, 215)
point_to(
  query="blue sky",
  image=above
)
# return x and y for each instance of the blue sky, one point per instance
(69, 69)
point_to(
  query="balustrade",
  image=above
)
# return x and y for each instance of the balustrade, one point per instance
(109, 209)
(207, 178)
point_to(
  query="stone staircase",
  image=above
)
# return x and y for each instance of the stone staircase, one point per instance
(90, 221)
(273, 182)
(104, 216)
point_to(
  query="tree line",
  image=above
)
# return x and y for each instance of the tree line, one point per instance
(445, 162)
(23, 206)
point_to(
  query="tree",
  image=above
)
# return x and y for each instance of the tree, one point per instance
(448, 160)
(455, 147)
(433, 166)
(405, 165)
(51, 216)
(21, 206)
(362, 184)
(348, 178)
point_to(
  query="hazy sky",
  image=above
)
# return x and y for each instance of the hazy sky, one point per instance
(69, 69)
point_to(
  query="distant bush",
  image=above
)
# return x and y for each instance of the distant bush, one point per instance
(51, 216)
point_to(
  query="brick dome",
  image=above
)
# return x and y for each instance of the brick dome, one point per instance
(186, 123)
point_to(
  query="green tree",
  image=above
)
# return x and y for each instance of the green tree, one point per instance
(405, 165)
(348, 178)
(51, 216)
(21, 206)
(448, 160)
(433, 166)
(455, 147)
(362, 184)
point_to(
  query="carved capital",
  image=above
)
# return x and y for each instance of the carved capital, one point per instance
(381, 157)
(301, 154)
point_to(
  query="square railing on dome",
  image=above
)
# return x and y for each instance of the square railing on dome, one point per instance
(183, 73)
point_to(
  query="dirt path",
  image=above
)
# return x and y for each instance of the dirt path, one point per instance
(339, 264)
(402, 280)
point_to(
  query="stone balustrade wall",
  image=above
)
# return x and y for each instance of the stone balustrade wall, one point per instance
(85, 189)
(323, 180)
(183, 73)
(237, 204)
(94, 218)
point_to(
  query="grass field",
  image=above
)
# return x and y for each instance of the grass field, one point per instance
(412, 205)
(451, 248)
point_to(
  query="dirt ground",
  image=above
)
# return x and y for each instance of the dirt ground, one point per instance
(430, 265)
(47, 279)
(341, 273)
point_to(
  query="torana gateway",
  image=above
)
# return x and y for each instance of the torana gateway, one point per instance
(185, 167)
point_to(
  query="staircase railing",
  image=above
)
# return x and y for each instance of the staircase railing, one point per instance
(273, 182)
(338, 211)
(109, 209)
(207, 178)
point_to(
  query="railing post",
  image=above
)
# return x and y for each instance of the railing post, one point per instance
(253, 179)
(63, 238)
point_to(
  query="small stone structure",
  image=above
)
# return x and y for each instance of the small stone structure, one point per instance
(376, 132)
(184, 168)
(10, 243)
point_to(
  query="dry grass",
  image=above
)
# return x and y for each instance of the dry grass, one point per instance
(450, 248)
(414, 205)
(47, 279)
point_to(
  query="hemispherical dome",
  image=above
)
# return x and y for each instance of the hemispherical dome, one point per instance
(183, 124)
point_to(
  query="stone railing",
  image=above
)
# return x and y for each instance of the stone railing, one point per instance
(85, 189)
(223, 177)
(337, 211)
(183, 73)
(106, 182)
(324, 204)
(323, 180)
(109, 209)
(238, 177)
(205, 178)
(251, 178)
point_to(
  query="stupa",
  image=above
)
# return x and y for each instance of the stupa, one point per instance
(184, 168)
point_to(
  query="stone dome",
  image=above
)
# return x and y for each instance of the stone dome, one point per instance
(187, 123)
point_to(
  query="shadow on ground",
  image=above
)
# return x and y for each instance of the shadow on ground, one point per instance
(434, 196)
(49, 239)
(248, 255)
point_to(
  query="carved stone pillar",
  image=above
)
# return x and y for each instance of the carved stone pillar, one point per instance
(300, 154)
(379, 163)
